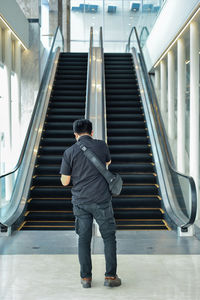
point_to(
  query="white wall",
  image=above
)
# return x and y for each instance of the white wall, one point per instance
(11, 12)
(171, 19)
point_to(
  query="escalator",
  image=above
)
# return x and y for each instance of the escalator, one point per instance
(139, 207)
(49, 204)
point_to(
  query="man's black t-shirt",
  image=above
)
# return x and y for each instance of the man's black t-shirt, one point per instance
(88, 184)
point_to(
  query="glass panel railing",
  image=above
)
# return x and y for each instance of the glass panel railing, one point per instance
(181, 190)
(10, 181)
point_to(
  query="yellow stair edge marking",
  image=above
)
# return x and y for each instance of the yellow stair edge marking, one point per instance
(168, 227)
(20, 227)
(29, 200)
(138, 220)
(142, 184)
(26, 214)
(135, 229)
(51, 211)
(138, 196)
(138, 208)
(52, 198)
(47, 226)
(51, 221)
(145, 225)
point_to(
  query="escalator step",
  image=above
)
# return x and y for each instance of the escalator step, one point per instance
(152, 213)
(128, 140)
(118, 125)
(126, 132)
(52, 204)
(49, 225)
(122, 97)
(125, 103)
(131, 158)
(58, 133)
(132, 167)
(136, 201)
(57, 141)
(49, 215)
(129, 149)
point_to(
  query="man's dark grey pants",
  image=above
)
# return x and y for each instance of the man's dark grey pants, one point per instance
(103, 214)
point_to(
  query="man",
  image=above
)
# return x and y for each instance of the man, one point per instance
(91, 198)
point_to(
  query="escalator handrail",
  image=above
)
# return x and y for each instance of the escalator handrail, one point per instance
(153, 99)
(35, 107)
(103, 91)
(129, 40)
(89, 74)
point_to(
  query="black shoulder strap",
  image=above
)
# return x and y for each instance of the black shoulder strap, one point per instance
(97, 163)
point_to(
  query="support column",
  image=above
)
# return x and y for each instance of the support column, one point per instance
(60, 13)
(157, 83)
(18, 92)
(0, 44)
(163, 91)
(8, 116)
(194, 104)
(8, 65)
(181, 82)
(66, 24)
(171, 95)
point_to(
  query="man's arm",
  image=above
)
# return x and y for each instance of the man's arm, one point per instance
(108, 163)
(65, 179)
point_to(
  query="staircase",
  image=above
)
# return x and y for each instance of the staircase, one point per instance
(49, 204)
(139, 205)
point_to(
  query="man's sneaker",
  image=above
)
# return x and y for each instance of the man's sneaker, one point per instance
(112, 281)
(86, 282)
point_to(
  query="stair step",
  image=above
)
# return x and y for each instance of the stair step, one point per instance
(57, 141)
(49, 225)
(132, 168)
(49, 204)
(128, 140)
(125, 103)
(134, 157)
(125, 117)
(129, 149)
(136, 201)
(68, 92)
(152, 213)
(118, 132)
(119, 125)
(74, 105)
(63, 118)
(53, 133)
(63, 111)
(122, 97)
(52, 150)
(65, 87)
(49, 216)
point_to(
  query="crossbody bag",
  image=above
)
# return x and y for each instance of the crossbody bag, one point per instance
(114, 180)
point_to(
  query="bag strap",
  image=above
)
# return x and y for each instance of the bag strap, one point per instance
(97, 163)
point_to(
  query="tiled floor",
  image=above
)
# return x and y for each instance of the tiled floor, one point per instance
(128, 242)
(153, 266)
(145, 277)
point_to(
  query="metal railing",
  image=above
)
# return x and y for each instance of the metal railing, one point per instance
(10, 181)
(184, 190)
(89, 75)
(104, 123)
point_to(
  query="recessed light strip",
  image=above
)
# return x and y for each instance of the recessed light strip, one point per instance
(8, 26)
(178, 36)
